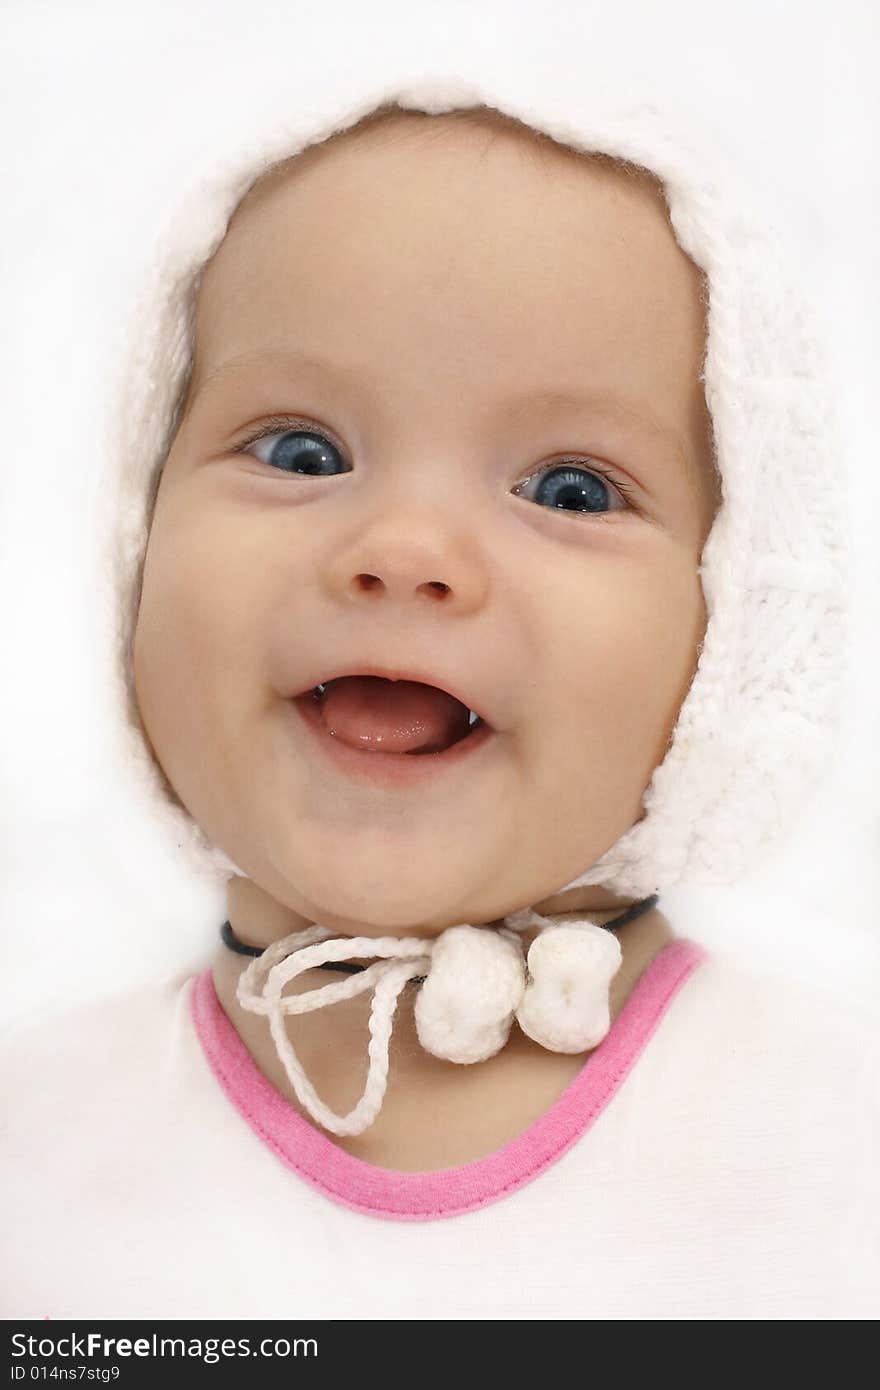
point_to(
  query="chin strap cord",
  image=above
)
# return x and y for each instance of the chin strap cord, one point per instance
(475, 981)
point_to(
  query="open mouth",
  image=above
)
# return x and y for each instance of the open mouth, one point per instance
(441, 729)
(388, 728)
(381, 714)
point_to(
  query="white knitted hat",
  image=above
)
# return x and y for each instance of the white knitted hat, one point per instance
(758, 724)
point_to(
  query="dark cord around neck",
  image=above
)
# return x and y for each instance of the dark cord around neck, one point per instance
(228, 937)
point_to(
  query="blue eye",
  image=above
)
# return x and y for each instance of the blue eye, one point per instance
(567, 486)
(299, 451)
(571, 488)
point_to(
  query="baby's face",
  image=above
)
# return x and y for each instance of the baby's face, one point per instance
(502, 357)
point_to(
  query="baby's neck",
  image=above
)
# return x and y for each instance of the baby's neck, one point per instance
(435, 1114)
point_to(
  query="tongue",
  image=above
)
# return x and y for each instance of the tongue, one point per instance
(384, 716)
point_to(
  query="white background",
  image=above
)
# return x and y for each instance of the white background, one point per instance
(101, 106)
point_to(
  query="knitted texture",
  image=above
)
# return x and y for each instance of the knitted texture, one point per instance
(759, 723)
(566, 1005)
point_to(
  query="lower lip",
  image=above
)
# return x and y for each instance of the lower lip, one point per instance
(386, 769)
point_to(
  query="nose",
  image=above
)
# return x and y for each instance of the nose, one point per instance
(416, 558)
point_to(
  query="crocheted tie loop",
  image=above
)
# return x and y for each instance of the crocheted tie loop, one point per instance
(477, 981)
(259, 991)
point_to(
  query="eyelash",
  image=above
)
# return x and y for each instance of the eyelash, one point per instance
(287, 423)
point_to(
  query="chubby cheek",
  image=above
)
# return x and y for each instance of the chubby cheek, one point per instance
(196, 656)
(612, 689)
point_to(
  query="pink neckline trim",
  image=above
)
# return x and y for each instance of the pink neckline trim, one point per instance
(441, 1192)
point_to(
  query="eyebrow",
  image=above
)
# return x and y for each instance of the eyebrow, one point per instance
(240, 366)
(631, 413)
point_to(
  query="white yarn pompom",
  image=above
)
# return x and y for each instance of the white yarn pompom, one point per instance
(464, 1010)
(565, 1005)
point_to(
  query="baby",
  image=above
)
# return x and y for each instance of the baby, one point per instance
(434, 627)
(444, 422)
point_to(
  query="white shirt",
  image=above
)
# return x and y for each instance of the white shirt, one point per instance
(715, 1159)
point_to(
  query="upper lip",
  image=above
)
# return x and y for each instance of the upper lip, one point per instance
(458, 692)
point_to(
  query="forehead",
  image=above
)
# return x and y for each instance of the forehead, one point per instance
(426, 196)
(430, 250)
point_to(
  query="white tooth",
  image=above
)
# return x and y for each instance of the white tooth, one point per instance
(472, 718)
(320, 689)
